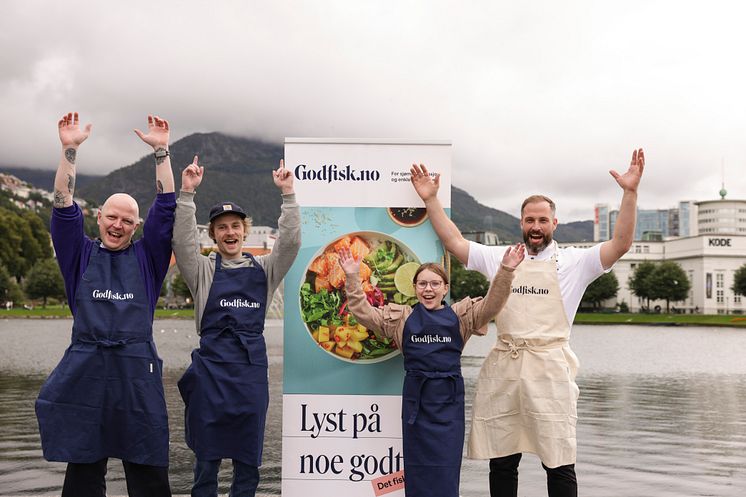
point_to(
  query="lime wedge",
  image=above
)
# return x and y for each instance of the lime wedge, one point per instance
(403, 278)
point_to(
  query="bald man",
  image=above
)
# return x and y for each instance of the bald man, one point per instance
(105, 397)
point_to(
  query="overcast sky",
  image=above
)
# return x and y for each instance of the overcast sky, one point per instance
(536, 96)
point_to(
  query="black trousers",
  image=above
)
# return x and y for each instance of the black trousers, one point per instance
(89, 480)
(561, 481)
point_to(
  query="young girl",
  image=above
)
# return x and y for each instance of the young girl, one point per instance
(431, 336)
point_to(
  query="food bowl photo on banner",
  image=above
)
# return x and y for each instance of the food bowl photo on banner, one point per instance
(387, 268)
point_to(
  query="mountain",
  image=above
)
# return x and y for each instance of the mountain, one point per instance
(236, 168)
(239, 169)
(576, 231)
(44, 178)
(470, 215)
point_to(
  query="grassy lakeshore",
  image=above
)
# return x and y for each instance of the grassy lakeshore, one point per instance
(738, 321)
(58, 312)
(601, 318)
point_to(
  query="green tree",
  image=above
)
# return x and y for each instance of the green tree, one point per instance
(640, 283)
(44, 280)
(465, 283)
(179, 287)
(9, 289)
(670, 283)
(39, 232)
(23, 241)
(739, 281)
(604, 287)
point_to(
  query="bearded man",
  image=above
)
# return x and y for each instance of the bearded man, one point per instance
(526, 398)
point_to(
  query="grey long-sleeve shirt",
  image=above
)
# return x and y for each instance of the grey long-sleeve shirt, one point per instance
(198, 270)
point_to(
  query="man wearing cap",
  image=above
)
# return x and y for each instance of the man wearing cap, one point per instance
(105, 397)
(225, 389)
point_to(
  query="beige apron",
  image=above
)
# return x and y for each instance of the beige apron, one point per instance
(526, 399)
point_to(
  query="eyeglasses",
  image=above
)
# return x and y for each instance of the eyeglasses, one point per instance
(433, 284)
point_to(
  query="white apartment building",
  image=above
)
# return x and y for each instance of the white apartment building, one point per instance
(708, 260)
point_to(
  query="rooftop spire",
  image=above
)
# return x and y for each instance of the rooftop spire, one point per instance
(723, 192)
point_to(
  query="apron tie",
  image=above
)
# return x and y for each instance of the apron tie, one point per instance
(245, 337)
(111, 344)
(422, 377)
(514, 346)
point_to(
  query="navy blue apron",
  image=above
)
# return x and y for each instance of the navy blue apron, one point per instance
(432, 403)
(225, 389)
(105, 397)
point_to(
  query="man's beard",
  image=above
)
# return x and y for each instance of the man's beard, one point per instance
(537, 246)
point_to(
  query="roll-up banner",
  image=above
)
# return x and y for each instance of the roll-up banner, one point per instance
(342, 382)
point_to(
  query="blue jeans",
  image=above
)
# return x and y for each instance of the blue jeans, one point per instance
(245, 479)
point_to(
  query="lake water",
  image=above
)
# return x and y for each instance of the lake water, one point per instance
(662, 411)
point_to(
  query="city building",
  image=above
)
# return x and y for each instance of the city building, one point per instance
(483, 237)
(706, 238)
(652, 224)
(710, 262)
(726, 217)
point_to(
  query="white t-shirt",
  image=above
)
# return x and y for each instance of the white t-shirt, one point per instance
(577, 268)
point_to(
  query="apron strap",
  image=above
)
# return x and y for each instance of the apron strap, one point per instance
(422, 377)
(514, 346)
(105, 343)
(247, 338)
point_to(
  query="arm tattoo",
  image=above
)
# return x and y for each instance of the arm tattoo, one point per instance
(159, 160)
(71, 183)
(59, 199)
(159, 186)
(70, 154)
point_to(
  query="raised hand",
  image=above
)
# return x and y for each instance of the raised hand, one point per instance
(514, 255)
(191, 176)
(426, 187)
(283, 178)
(158, 133)
(70, 133)
(348, 262)
(630, 180)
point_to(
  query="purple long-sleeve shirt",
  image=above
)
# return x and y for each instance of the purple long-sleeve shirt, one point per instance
(153, 250)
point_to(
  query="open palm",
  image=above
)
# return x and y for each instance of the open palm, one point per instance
(70, 133)
(630, 180)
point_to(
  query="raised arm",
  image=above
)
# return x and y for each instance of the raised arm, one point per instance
(71, 136)
(157, 137)
(427, 188)
(369, 316)
(277, 263)
(624, 230)
(185, 243)
(499, 291)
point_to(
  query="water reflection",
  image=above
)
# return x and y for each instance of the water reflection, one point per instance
(650, 423)
(33, 348)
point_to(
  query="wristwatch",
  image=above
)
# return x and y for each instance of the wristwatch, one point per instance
(161, 153)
